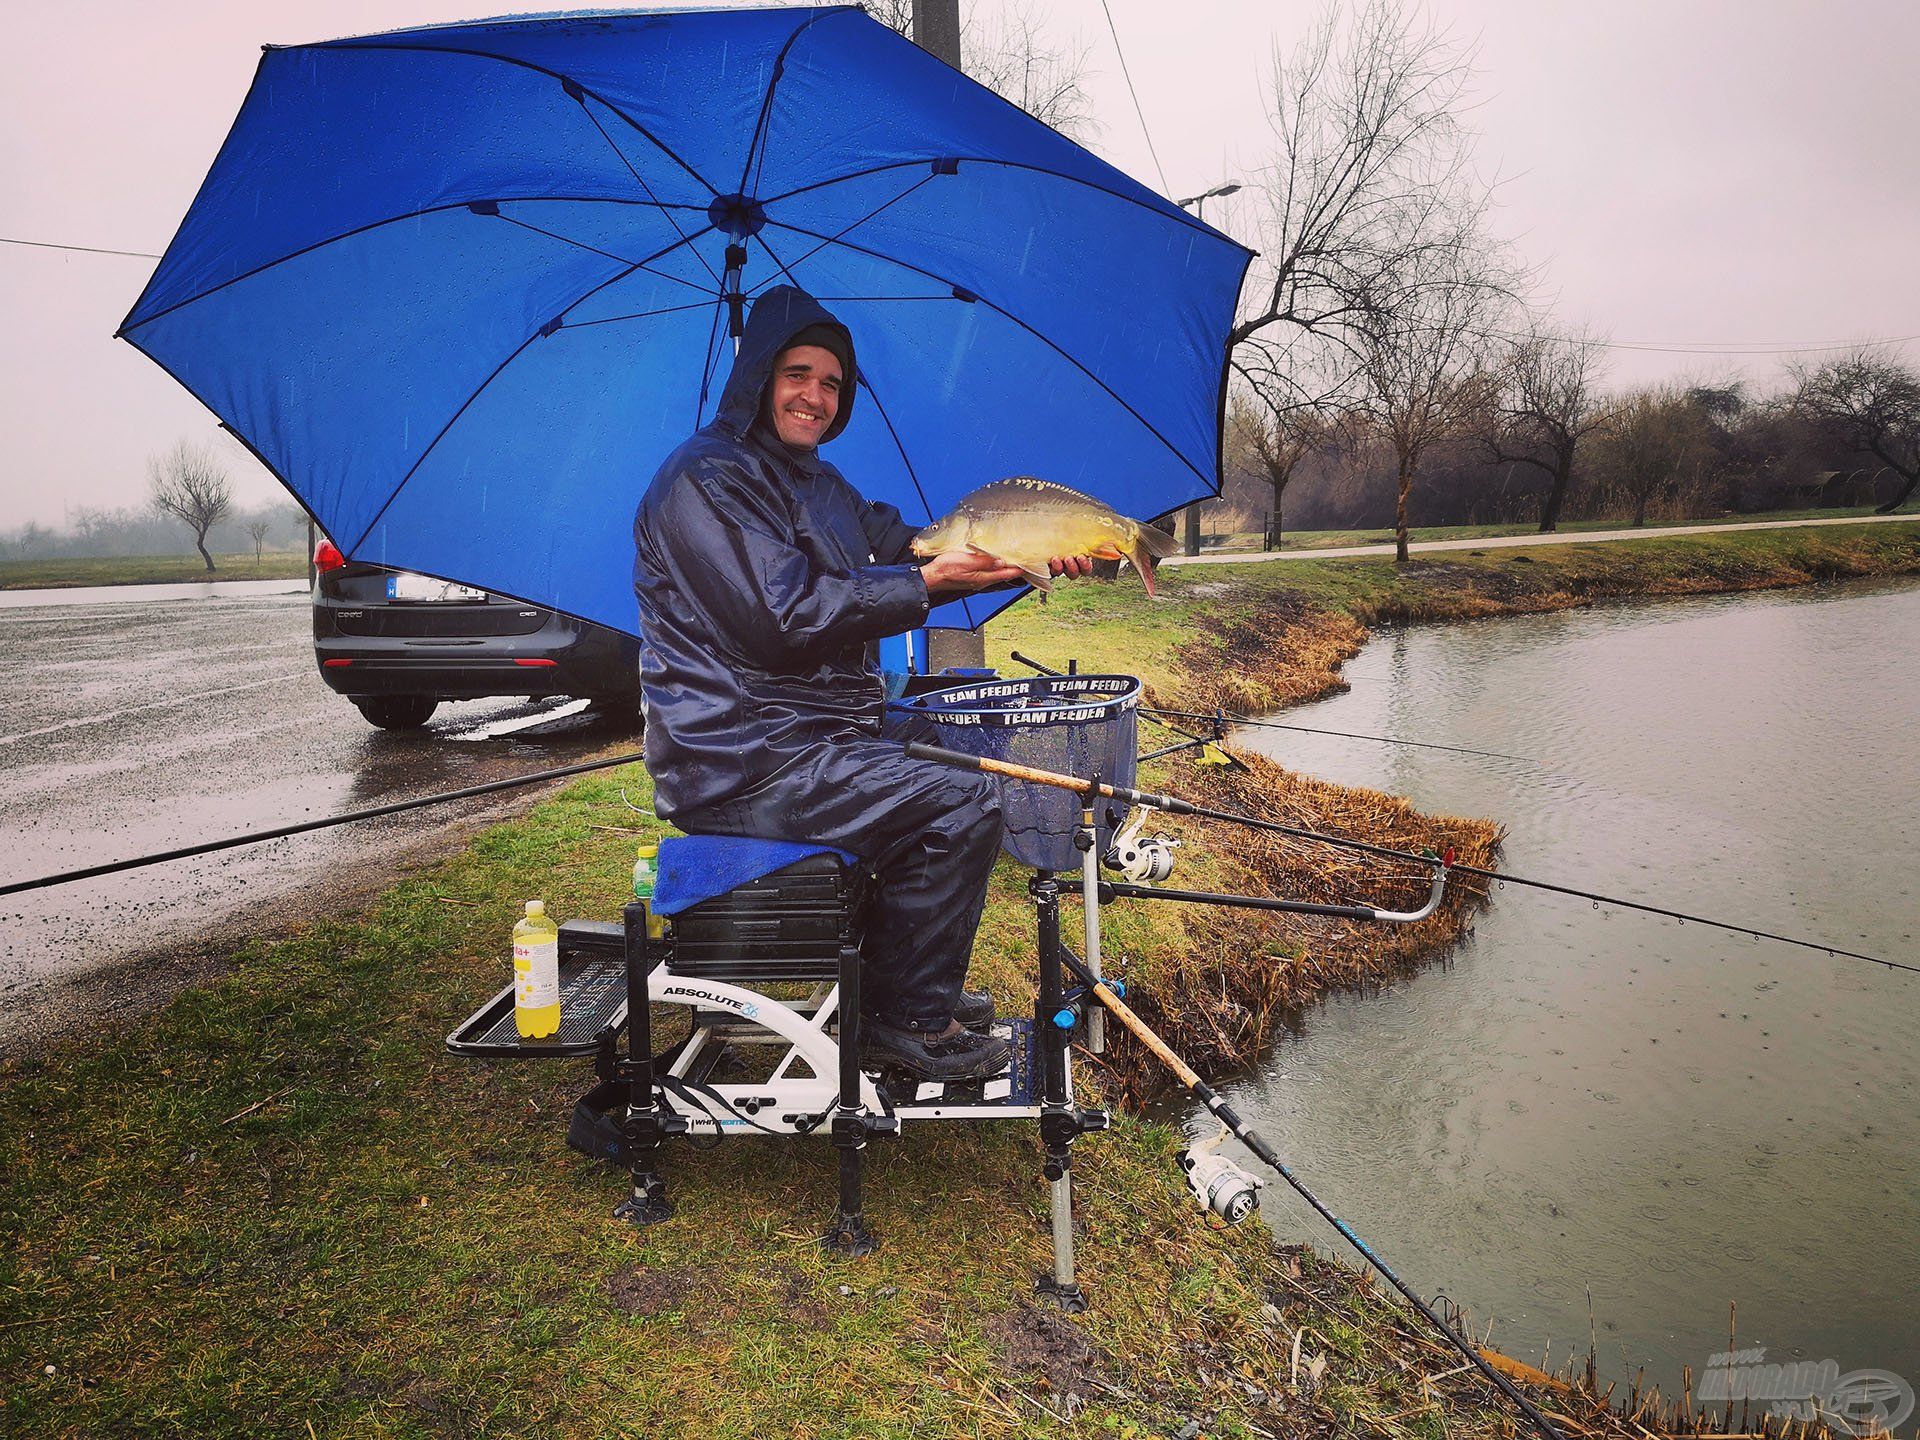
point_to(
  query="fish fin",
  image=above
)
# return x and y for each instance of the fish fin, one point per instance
(1039, 579)
(1157, 543)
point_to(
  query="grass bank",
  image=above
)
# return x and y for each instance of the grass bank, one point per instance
(149, 570)
(276, 1208)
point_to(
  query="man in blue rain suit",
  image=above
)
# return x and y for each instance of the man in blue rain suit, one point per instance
(764, 580)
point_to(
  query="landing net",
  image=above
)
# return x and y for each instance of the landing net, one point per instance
(1083, 725)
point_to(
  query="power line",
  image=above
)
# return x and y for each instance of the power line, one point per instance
(1114, 31)
(1736, 348)
(81, 249)
(1657, 347)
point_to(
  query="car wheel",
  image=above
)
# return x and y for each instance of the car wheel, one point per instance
(397, 712)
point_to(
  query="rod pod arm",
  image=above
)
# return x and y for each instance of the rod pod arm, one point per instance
(1173, 805)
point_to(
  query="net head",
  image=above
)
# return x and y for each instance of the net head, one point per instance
(1079, 725)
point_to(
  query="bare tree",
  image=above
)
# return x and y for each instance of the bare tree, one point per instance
(1368, 183)
(1277, 440)
(1872, 401)
(257, 532)
(1653, 439)
(1014, 56)
(1424, 369)
(188, 484)
(1546, 405)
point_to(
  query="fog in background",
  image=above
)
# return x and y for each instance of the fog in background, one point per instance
(1681, 173)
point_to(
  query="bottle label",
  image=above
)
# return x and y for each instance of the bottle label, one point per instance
(536, 975)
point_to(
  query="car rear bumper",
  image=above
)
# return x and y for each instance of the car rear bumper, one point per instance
(560, 658)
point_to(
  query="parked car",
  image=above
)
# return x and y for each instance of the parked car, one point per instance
(397, 644)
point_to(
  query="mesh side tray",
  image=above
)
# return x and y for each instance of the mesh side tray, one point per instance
(593, 1000)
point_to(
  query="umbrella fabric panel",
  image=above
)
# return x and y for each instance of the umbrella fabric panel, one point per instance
(357, 407)
(332, 142)
(544, 470)
(696, 79)
(853, 95)
(1020, 242)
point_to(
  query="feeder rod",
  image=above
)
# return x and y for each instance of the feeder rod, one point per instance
(1172, 804)
(1251, 1138)
(1116, 891)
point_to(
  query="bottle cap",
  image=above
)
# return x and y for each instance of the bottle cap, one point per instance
(536, 907)
(649, 851)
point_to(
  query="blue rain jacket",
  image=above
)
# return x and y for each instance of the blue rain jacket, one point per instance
(763, 580)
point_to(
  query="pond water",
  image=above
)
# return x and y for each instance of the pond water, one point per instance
(1670, 1117)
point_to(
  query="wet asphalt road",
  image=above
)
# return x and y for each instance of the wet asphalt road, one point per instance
(142, 724)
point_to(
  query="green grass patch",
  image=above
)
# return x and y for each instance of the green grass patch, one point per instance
(149, 570)
(1342, 539)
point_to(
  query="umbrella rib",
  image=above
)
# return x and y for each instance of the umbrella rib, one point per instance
(566, 81)
(1145, 423)
(638, 315)
(127, 329)
(706, 368)
(646, 264)
(766, 101)
(633, 170)
(853, 225)
(1179, 217)
(541, 331)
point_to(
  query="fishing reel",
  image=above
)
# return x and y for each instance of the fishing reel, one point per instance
(1218, 1184)
(1144, 861)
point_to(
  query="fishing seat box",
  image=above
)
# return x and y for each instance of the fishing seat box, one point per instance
(790, 925)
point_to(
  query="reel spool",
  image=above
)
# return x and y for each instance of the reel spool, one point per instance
(1220, 1185)
(1144, 861)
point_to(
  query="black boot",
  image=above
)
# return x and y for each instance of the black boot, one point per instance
(955, 1053)
(975, 1010)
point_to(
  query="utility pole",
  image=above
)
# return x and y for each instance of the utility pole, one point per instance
(936, 29)
(1199, 206)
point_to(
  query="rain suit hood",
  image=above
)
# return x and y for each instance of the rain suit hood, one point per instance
(777, 317)
(763, 581)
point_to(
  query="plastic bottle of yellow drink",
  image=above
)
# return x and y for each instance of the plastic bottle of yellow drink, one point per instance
(536, 973)
(646, 874)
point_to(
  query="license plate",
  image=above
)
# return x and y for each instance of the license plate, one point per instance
(425, 587)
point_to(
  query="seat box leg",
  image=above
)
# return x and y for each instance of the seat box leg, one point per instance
(852, 1125)
(646, 1123)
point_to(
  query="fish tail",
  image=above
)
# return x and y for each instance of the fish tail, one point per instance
(1142, 560)
(1148, 545)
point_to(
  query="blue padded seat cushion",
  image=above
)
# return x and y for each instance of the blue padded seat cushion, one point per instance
(693, 868)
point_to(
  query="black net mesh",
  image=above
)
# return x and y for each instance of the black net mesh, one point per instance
(1078, 725)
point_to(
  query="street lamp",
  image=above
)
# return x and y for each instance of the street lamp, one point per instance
(1198, 203)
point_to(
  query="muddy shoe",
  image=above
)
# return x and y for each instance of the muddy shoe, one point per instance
(975, 1010)
(953, 1054)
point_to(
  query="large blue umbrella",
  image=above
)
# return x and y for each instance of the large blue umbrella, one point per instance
(463, 288)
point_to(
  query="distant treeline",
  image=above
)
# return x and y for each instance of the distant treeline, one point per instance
(1666, 452)
(137, 530)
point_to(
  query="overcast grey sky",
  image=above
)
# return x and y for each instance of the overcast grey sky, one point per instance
(1688, 171)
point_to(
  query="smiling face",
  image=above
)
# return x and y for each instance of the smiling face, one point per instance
(804, 395)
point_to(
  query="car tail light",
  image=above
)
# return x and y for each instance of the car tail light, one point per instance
(538, 664)
(336, 664)
(327, 556)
